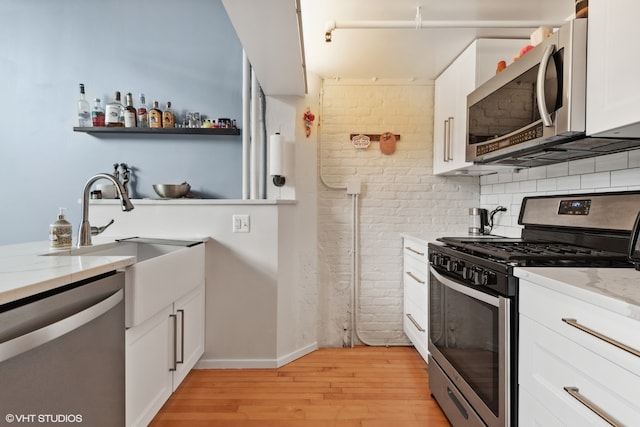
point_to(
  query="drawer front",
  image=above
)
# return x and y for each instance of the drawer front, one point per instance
(532, 413)
(415, 326)
(415, 289)
(550, 308)
(415, 250)
(549, 363)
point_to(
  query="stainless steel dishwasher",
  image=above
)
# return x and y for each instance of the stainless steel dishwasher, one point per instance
(62, 356)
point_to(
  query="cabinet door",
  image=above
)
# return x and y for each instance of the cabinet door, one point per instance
(466, 68)
(148, 379)
(415, 285)
(613, 87)
(444, 110)
(189, 311)
(473, 67)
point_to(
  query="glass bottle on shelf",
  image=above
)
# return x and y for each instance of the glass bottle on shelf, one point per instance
(84, 112)
(155, 116)
(114, 116)
(168, 118)
(97, 114)
(130, 113)
(143, 114)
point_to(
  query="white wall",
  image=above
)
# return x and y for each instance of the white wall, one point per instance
(399, 195)
(614, 172)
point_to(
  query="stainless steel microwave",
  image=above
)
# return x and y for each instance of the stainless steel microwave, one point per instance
(525, 115)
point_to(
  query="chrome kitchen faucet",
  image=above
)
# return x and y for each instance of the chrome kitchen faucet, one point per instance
(86, 230)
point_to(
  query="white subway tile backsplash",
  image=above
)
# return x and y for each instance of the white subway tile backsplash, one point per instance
(569, 182)
(547, 184)
(538, 173)
(596, 180)
(612, 162)
(626, 177)
(521, 175)
(559, 169)
(634, 159)
(492, 179)
(582, 166)
(615, 172)
(528, 186)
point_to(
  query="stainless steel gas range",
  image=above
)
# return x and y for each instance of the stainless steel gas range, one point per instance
(473, 296)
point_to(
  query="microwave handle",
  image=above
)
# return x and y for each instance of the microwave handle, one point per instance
(542, 102)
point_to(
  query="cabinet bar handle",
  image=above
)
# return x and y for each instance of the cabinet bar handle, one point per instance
(445, 155)
(181, 337)
(616, 343)
(449, 156)
(417, 279)
(415, 323)
(575, 393)
(409, 248)
(175, 342)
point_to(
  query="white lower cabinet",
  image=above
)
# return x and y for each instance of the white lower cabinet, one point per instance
(160, 353)
(567, 376)
(415, 278)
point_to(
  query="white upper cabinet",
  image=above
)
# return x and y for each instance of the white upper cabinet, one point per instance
(613, 86)
(474, 66)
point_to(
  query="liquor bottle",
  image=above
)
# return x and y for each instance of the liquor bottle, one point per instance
(97, 114)
(114, 116)
(155, 116)
(143, 116)
(84, 113)
(130, 113)
(168, 118)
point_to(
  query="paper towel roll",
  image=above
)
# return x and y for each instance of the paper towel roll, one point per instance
(276, 155)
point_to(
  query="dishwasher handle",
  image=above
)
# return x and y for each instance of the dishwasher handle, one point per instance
(33, 339)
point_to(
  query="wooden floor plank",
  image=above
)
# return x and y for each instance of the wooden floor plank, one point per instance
(359, 387)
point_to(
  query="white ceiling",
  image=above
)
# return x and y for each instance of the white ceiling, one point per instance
(410, 53)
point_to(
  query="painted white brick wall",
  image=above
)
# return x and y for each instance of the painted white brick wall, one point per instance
(399, 195)
(613, 172)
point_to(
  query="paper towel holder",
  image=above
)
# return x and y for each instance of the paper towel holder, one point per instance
(275, 160)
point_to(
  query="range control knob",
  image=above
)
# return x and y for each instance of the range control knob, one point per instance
(453, 266)
(442, 260)
(467, 273)
(480, 277)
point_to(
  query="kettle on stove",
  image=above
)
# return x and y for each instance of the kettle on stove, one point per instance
(478, 220)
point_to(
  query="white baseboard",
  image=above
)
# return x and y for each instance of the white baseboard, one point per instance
(205, 363)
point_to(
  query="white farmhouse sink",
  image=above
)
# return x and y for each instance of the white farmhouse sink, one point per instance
(164, 271)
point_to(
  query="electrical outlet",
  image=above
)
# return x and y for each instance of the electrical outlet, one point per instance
(241, 223)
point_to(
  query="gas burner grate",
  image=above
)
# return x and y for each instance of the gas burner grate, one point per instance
(543, 253)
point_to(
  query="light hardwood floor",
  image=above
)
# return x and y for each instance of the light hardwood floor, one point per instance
(358, 387)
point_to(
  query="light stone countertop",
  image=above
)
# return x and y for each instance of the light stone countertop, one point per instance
(25, 271)
(614, 289)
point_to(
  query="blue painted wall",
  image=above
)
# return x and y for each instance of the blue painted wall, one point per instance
(185, 52)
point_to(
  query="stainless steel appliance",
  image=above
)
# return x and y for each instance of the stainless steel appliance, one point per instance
(62, 355)
(473, 296)
(533, 113)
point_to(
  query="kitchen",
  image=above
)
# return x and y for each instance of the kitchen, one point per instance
(398, 191)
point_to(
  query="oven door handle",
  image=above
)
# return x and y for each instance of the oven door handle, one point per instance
(484, 297)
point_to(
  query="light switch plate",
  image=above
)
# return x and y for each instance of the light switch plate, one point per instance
(240, 223)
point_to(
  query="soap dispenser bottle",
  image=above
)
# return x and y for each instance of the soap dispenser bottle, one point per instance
(60, 232)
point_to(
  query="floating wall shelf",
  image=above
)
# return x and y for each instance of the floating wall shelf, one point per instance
(159, 131)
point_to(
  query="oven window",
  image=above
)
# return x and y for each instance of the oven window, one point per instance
(465, 331)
